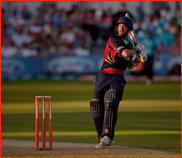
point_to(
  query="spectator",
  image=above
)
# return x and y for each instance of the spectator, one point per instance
(54, 49)
(150, 21)
(63, 19)
(82, 38)
(14, 17)
(110, 12)
(24, 13)
(89, 24)
(76, 17)
(3, 15)
(29, 37)
(21, 24)
(7, 50)
(34, 27)
(121, 12)
(162, 22)
(48, 28)
(38, 13)
(163, 38)
(167, 36)
(3, 27)
(98, 15)
(105, 24)
(70, 50)
(168, 13)
(40, 21)
(54, 37)
(45, 43)
(35, 41)
(161, 48)
(140, 29)
(29, 51)
(152, 25)
(44, 39)
(70, 12)
(155, 18)
(63, 46)
(159, 40)
(74, 28)
(139, 25)
(68, 36)
(150, 49)
(4, 34)
(9, 29)
(19, 38)
(174, 28)
(43, 49)
(155, 12)
(176, 47)
(39, 16)
(139, 13)
(81, 51)
(51, 16)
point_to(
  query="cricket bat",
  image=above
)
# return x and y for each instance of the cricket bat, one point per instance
(133, 38)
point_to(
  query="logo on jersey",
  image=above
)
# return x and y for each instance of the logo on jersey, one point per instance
(110, 57)
(109, 60)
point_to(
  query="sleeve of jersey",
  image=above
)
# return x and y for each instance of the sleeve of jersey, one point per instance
(116, 44)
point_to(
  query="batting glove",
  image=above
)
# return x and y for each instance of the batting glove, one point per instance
(139, 47)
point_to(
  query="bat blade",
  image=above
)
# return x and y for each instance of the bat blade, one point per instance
(133, 37)
(132, 33)
(127, 15)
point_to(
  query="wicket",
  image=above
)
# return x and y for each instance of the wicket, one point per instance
(43, 122)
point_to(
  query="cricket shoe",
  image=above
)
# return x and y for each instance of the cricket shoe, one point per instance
(105, 140)
(102, 145)
(111, 142)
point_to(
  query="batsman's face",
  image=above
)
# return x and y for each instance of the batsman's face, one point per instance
(123, 30)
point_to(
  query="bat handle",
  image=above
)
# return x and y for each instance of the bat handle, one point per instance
(136, 42)
(142, 59)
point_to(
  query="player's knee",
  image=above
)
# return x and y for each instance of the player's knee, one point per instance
(112, 99)
(97, 108)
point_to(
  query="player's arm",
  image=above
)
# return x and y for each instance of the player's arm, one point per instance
(129, 52)
(114, 43)
(140, 52)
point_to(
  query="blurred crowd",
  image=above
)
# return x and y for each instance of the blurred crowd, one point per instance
(58, 31)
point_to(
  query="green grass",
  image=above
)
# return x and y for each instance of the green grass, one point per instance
(149, 116)
(24, 91)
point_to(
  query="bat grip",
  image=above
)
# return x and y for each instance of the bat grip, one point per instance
(142, 59)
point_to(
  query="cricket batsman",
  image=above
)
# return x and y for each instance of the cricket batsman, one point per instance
(110, 82)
